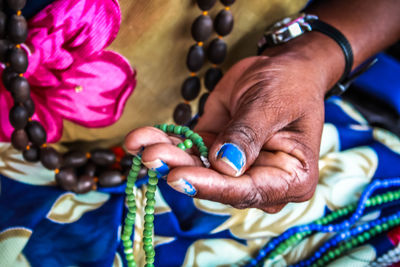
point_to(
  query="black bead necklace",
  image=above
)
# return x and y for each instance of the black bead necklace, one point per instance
(216, 52)
(75, 170)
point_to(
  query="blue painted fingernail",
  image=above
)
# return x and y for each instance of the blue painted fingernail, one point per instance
(183, 186)
(232, 155)
(159, 166)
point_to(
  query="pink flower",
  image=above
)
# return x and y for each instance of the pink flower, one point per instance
(72, 77)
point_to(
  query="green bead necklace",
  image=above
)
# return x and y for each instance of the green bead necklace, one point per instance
(192, 138)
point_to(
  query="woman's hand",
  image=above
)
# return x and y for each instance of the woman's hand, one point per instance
(263, 125)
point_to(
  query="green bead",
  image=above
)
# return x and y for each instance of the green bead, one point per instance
(153, 180)
(147, 240)
(181, 146)
(379, 228)
(147, 248)
(385, 198)
(345, 211)
(385, 226)
(149, 209)
(373, 201)
(318, 221)
(373, 231)
(361, 239)
(366, 235)
(391, 223)
(390, 196)
(148, 225)
(188, 143)
(151, 253)
(130, 184)
(129, 222)
(326, 258)
(379, 199)
(131, 216)
(137, 161)
(151, 188)
(149, 261)
(131, 204)
(157, 126)
(170, 128)
(150, 195)
(125, 237)
(324, 221)
(331, 255)
(151, 202)
(136, 168)
(368, 202)
(127, 243)
(178, 129)
(320, 262)
(131, 264)
(189, 133)
(129, 257)
(354, 242)
(151, 173)
(163, 127)
(337, 252)
(203, 149)
(348, 245)
(128, 250)
(128, 191)
(147, 233)
(185, 129)
(298, 236)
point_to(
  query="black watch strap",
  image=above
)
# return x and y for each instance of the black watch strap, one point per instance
(320, 26)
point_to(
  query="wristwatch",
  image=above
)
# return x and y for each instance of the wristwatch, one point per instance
(294, 26)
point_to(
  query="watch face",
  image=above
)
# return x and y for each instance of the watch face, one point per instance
(281, 25)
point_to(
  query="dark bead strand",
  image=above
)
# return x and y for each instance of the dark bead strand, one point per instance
(3, 23)
(18, 59)
(36, 133)
(223, 23)
(20, 90)
(18, 116)
(201, 30)
(111, 178)
(212, 77)
(16, 4)
(202, 103)
(85, 184)
(102, 157)
(8, 75)
(74, 159)
(66, 178)
(17, 29)
(30, 107)
(5, 46)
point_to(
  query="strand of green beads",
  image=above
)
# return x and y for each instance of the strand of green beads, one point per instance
(356, 241)
(298, 237)
(149, 218)
(131, 214)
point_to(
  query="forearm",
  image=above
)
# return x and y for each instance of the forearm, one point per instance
(369, 25)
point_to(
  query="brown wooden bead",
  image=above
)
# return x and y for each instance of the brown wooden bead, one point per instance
(74, 159)
(30, 107)
(18, 60)
(182, 114)
(50, 158)
(216, 51)
(16, 4)
(202, 103)
(85, 184)
(205, 4)
(8, 75)
(126, 162)
(36, 133)
(17, 29)
(18, 116)
(223, 24)
(227, 2)
(110, 178)
(5, 47)
(195, 58)
(190, 88)
(202, 28)
(67, 179)
(31, 154)
(3, 23)
(212, 77)
(19, 139)
(102, 157)
(20, 90)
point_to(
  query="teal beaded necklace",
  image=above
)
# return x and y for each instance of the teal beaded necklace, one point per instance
(191, 138)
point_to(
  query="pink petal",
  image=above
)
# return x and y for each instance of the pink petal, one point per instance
(88, 26)
(5, 103)
(95, 91)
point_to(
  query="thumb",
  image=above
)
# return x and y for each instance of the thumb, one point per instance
(239, 144)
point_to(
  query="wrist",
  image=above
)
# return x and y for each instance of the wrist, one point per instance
(320, 55)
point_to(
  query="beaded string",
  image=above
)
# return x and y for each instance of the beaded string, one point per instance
(391, 257)
(360, 234)
(295, 234)
(201, 30)
(192, 138)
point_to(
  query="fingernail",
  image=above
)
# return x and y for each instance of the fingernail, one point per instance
(232, 155)
(158, 166)
(183, 186)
